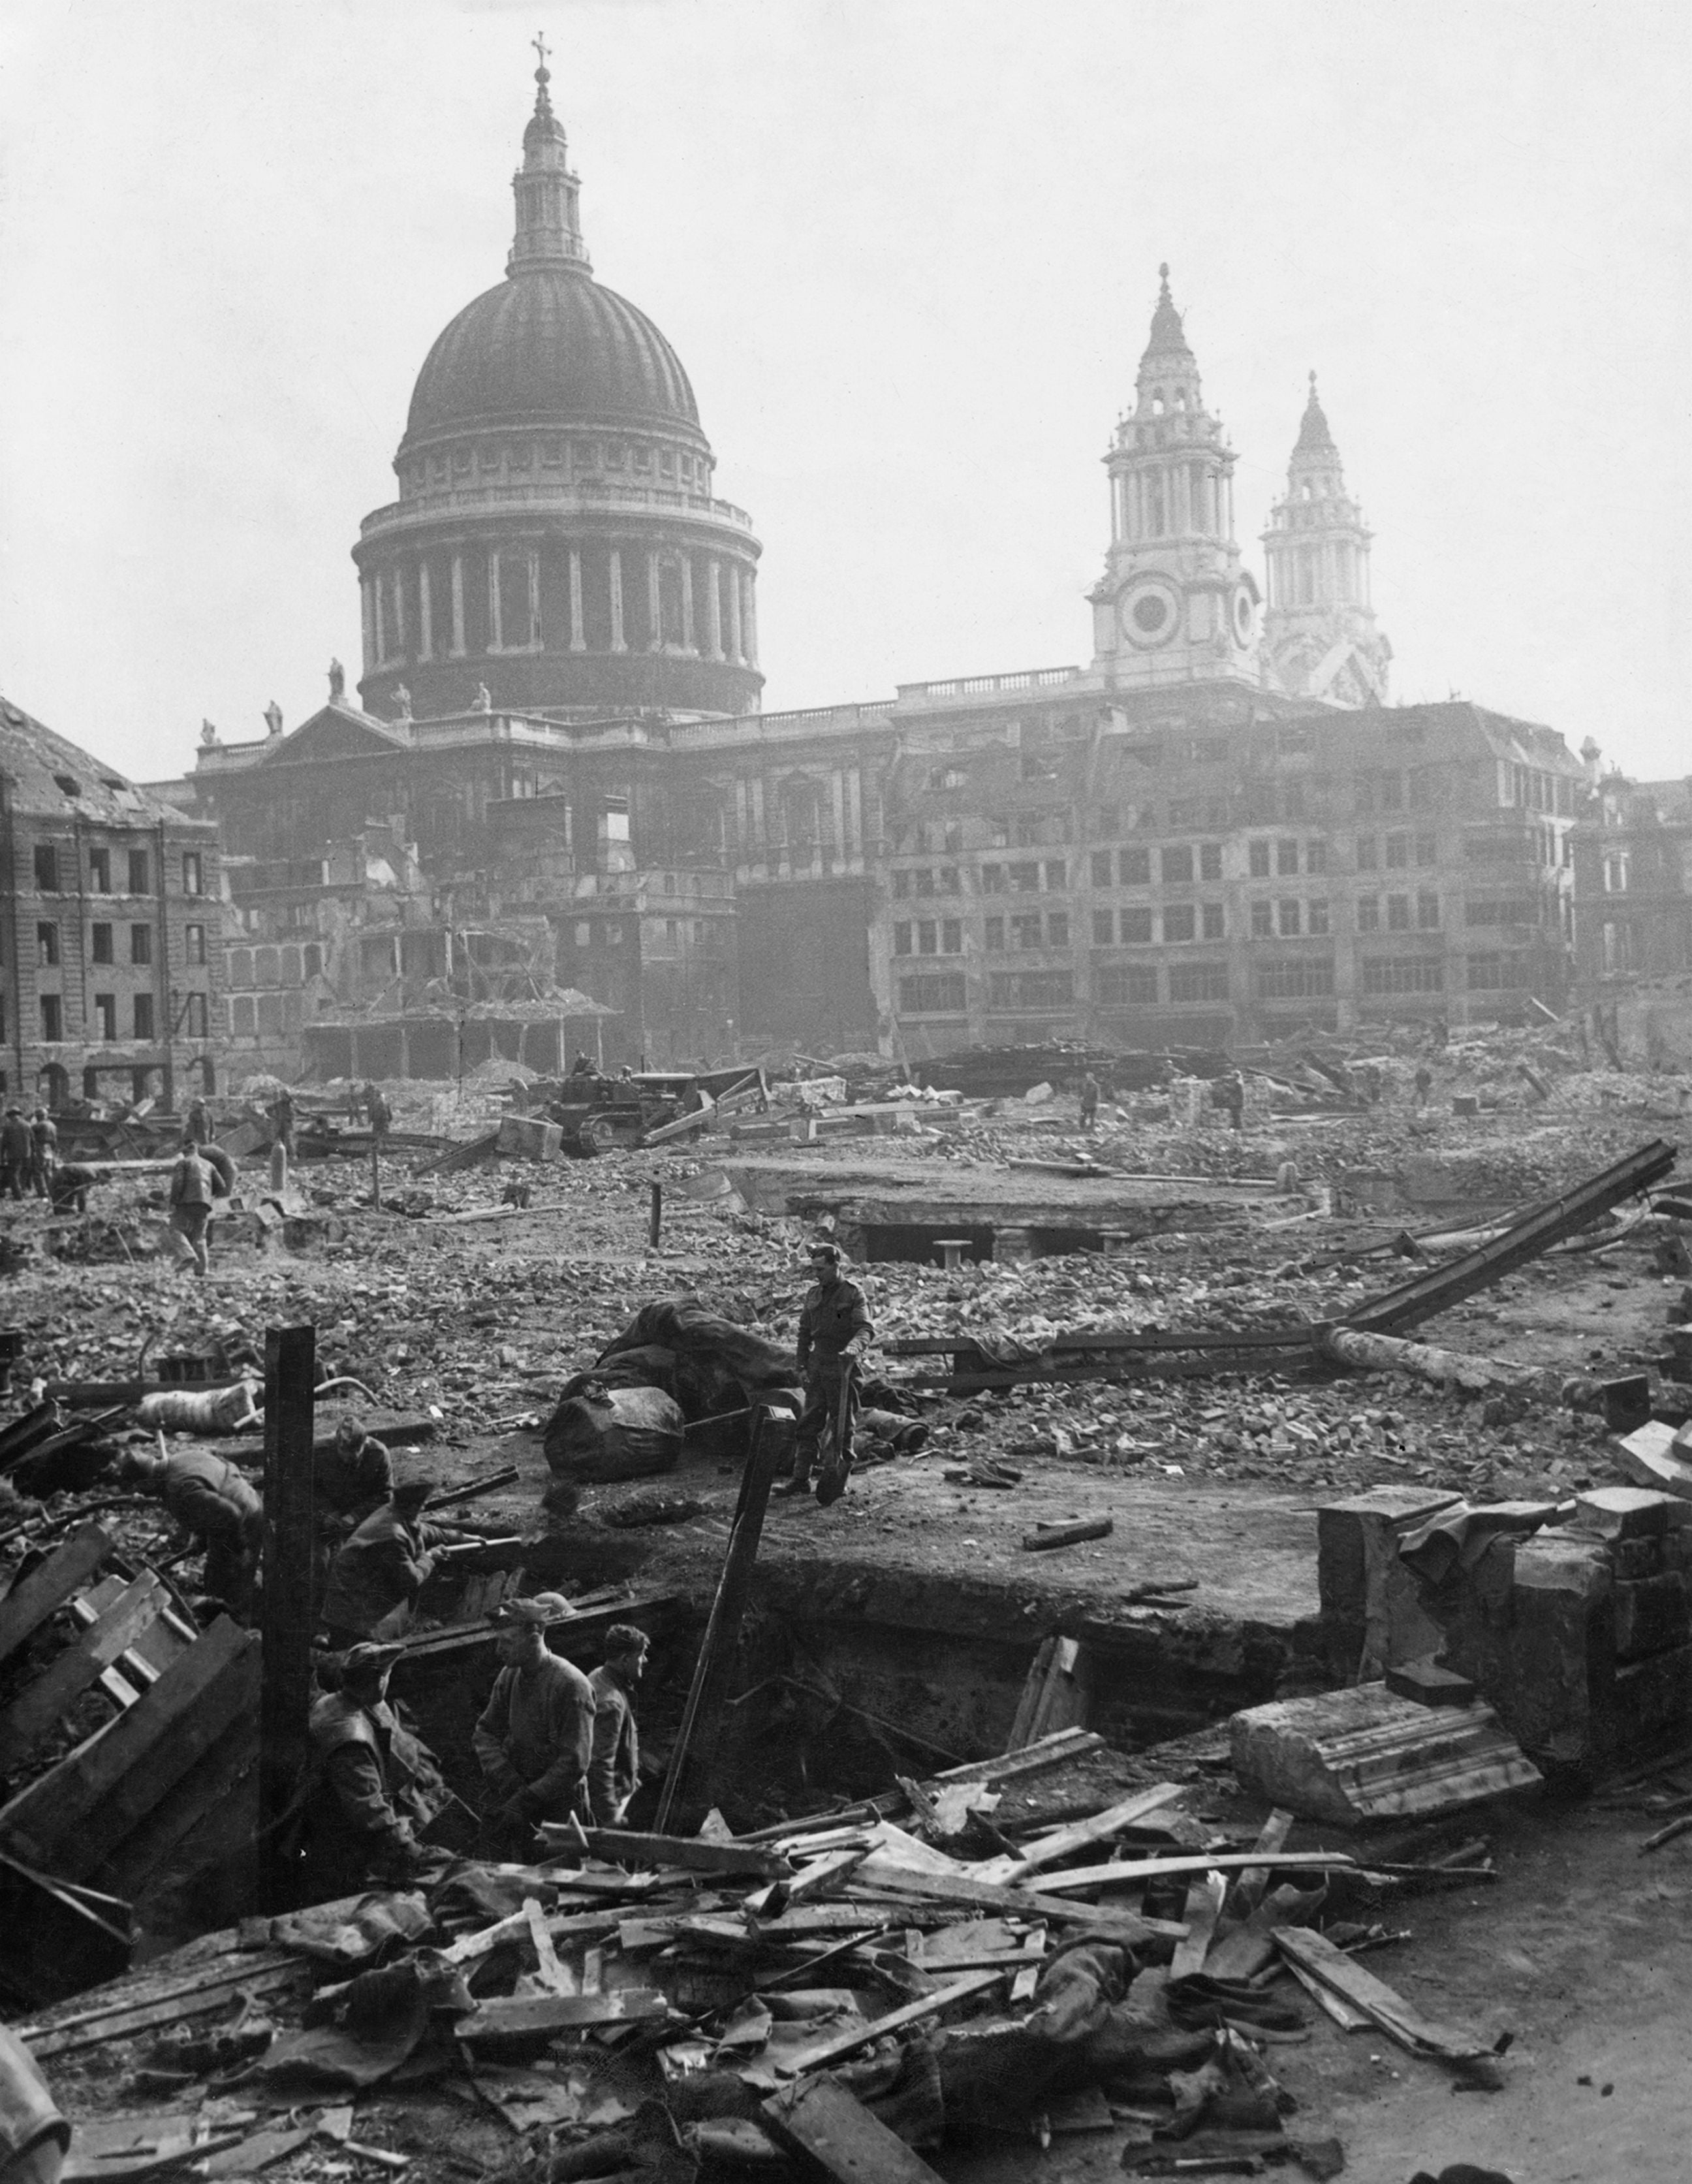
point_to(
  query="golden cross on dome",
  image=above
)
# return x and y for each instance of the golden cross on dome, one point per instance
(539, 43)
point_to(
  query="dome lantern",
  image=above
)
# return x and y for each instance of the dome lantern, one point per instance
(549, 222)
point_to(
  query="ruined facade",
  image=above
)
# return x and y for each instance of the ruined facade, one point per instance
(1633, 860)
(111, 959)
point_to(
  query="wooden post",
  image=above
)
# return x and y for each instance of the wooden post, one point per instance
(376, 1172)
(655, 1219)
(285, 1696)
(703, 1713)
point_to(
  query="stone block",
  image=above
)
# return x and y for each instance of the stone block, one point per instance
(1650, 1459)
(1370, 1611)
(1561, 1636)
(1649, 1703)
(1429, 1685)
(527, 1137)
(1623, 1512)
(1636, 1558)
(1677, 1550)
(1364, 1753)
(1651, 1616)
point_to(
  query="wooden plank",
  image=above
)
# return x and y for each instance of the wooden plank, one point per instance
(625, 1847)
(1381, 2004)
(834, 2129)
(292, 1977)
(287, 1616)
(550, 1973)
(39, 1709)
(1271, 1837)
(1050, 1850)
(1242, 1861)
(222, 1781)
(28, 1605)
(816, 1879)
(1046, 1751)
(948, 1888)
(823, 2054)
(531, 2016)
(1205, 1897)
(702, 1714)
(71, 1816)
(1068, 1536)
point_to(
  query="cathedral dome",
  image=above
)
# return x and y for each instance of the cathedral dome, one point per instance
(550, 346)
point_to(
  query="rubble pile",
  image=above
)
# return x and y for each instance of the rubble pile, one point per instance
(1018, 1950)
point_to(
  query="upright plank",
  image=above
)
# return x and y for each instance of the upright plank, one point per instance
(839, 2133)
(703, 1713)
(284, 1697)
(28, 1605)
(64, 1819)
(37, 1710)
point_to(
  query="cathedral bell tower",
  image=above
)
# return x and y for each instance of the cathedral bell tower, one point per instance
(1174, 605)
(1319, 635)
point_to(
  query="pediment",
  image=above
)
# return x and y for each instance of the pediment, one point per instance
(337, 732)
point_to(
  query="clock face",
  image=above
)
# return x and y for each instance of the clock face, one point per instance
(1244, 617)
(1151, 615)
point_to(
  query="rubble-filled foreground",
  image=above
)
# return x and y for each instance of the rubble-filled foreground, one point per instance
(662, 2010)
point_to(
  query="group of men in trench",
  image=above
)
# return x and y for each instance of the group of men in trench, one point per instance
(553, 1744)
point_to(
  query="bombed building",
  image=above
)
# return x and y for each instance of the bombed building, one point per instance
(110, 930)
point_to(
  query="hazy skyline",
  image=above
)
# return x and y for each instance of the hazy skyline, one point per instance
(908, 255)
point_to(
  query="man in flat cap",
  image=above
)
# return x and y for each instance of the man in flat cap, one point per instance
(834, 1329)
(374, 1784)
(535, 1738)
(351, 1479)
(375, 1577)
(615, 1776)
(213, 1505)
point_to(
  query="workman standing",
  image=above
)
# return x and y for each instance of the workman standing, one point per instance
(1424, 1085)
(535, 1739)
(17, 1152)
(375, 1577)
(381, 1114)
(197, 1129)
(374, 1784)
(1231, 1097)
(192, 1188)
(615, 1774)
(1089, 1100)
(43, 1151)
(351, 1479)
(282, 1116)
(217, 1507)
(834, 1329)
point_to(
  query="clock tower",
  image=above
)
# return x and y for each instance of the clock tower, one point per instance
(1174, 605)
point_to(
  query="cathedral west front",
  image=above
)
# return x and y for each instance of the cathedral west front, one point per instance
(559, 776)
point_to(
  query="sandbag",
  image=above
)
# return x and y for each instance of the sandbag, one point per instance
(718, 1366)
(616, 1432)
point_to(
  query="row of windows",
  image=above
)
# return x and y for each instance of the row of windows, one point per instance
(1176, 865)
(50, 874)
(102, 944)
(274, 1014)
(1050, 827)
(271, 966)
(195, 1017)
(1182, 921)
(1137, 985)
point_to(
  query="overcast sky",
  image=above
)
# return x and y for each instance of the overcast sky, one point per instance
(908, 253)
